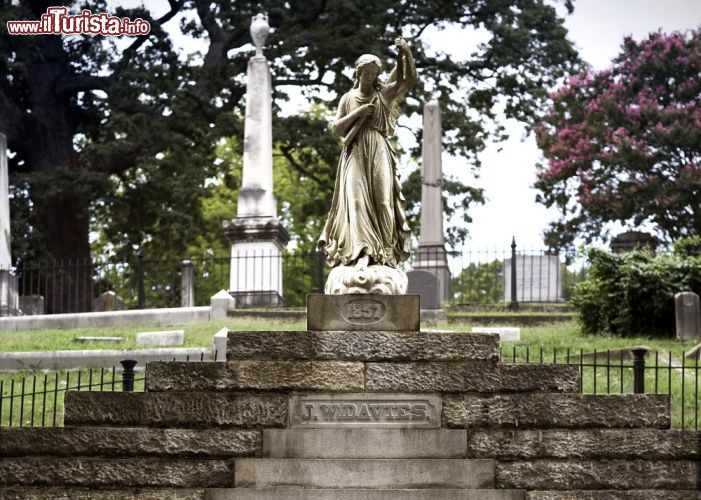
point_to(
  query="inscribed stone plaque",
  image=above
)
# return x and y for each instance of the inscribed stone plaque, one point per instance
(538, 278)
(365, 410)
(426, 284)
(363, 312)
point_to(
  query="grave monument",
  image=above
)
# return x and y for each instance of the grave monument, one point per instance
(256, 234)
(9, 301)
(361, 409)
(431, 256)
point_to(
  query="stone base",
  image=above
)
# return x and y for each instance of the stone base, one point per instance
(375, 279)
(363, 312)
(268, 298)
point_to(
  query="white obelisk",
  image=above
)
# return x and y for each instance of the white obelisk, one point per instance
(257, 237)
(8, 282)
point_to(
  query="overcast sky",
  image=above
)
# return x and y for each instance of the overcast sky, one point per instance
(597, 28)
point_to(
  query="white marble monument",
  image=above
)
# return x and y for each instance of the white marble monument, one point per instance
(431, 255)
(538, 278)
(9, 301)
(257, 237)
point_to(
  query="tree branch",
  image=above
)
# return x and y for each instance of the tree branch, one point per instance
(287, 153)
(70, 84)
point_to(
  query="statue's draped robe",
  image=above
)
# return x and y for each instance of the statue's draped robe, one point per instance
(368, 208)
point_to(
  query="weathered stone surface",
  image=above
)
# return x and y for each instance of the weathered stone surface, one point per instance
(556, 410)
(369, 473)
(613, 495)
(364, 346)
(115, 472)
(590, 443)
(471, 377)
(364, 311)
(170, 409)
(29, 493)
(260, 375)
(113, 442)
(365, 410)
(360, 494)
(364, 443)
(604, 474)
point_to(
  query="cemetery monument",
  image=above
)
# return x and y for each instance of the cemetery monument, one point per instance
(256, 234)
(9, 301)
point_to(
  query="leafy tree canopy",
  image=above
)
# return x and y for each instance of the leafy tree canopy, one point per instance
(118, 136)
(624, 144)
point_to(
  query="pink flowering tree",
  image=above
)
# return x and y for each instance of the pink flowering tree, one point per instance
(624, 144)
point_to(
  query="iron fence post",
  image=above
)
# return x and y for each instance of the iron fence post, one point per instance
(639, 369)
(128, 375)
(141, 292)
(514, 298)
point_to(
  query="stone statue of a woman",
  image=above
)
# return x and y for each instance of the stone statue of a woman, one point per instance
(366, 234)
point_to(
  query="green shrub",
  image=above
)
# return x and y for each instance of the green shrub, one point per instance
(632, 294)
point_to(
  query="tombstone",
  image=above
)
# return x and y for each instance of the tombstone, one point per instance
(187, 285)
(9, 301)
(538, 278)
(506, 333)
(633, 240)
(220, 304)
(163, 338)
(31, 305)
(427, 285)
(108, 301)
(431, 255)
(256, 234)
(688, 319)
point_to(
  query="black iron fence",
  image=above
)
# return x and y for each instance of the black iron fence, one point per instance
(36, 399)
(627, 371)
(470, 276)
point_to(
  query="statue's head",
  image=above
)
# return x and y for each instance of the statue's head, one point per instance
(368, 66)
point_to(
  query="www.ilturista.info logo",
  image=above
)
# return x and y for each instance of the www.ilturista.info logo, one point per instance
(57, 21)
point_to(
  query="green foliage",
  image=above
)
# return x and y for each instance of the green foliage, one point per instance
(632, 294)
(624, 143)
(479, 283)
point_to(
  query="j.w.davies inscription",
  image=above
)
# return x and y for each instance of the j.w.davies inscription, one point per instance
(365, 410)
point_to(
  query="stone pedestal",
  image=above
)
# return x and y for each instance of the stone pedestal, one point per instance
(363, 311)
(9, 300)
(255, 277)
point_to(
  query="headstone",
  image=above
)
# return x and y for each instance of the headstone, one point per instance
(167, 337)
(425, 284)
(108, 301)
(187, 285)
(31, 305)
(220, 304)
(115, 340)
(633, 240)
(506, 333)
(257, 236)
(538, 278)
(688, 319)
(9, 302)
(431, 255)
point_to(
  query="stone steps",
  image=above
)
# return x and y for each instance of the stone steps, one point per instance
(614, 495)
(353, 376)
(132, 493)
(364, 443)
(364, 473)
(99, 472)
(128, 441)
(366, 346)
(361, 494)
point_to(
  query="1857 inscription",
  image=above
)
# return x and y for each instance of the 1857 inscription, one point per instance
(365, 410)
(364, 311)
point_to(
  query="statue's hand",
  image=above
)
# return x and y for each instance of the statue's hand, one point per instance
(365, 110)
(401, 44)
